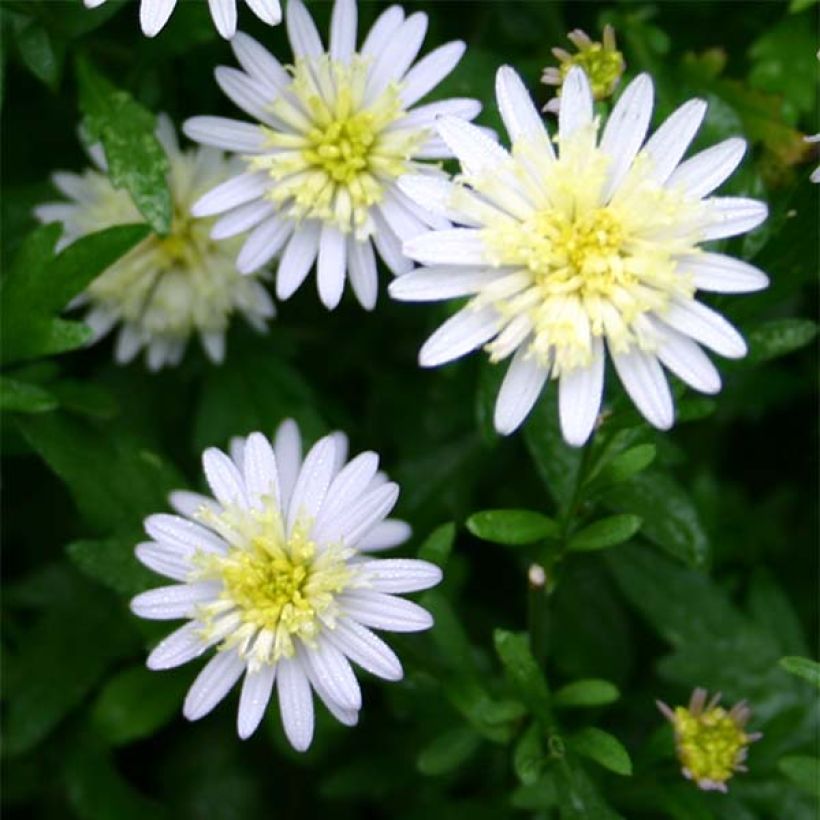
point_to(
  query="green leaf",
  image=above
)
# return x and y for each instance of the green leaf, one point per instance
(512, 527)
(804, 668)
(523, 672)
(589, 692)
(578, 797)
(605, 533)
(448, 751)
(539, 795)
(21, 397)
(778, 337)
(603, 748)
(39, 285)
(803, 771)
(85, 397)
(136, 160)
(113, 563)
(438, 545)
(528, 755)
(669, 517)
(625, 465)
(40, 51)
(136, 702)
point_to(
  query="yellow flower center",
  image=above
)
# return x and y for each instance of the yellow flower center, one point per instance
(710, 744)
(275, 588)
(603, 67)
(339, 151)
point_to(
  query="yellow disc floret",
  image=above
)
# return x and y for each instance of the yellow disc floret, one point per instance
(343, 152)
(275, 587)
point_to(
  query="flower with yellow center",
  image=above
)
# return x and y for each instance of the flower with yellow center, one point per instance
(602, 63)
(597, 245)
(276, 573)
(711, 741)
(167, 288)
(334, 133)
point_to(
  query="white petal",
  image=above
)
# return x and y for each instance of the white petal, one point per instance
(475, 150)
(236, 191)
(302, 33)
(521, 119)
(330, 269)
(164, 561)
(212, 684)
(400, 220)
(732, 215)
(425, 115)
(687, 361)
(458, 246)
(381, 611)
(519, 391)
(400, 575)
(382, 32)
(259, 62)
(253, 701)
(361, 269)
(576, 104)
(288, 450)
(268, 11)
(154, 15)
(722, 274)
(625, 130)
(365, 514)
(183, 536)
(440, 282)
(129, 343)
(579, 397)
(247, 93)
(312, 483)
(366, 649)
(706, 326)
(223, 13)
(385, 535)
(459, 335)
(389, 247)
(261, 475)
(176, 601)
(190, 504)
(435, 194)
(430, 71)
(181, 646)
(643, 378)
(262, 244)
(242, 219)
(224, 478)
(343, 30)
(297, 259)
(332, 672)
(214, 345)
(393, 62)
(295, 699)
(704, 172)
(669, 143)
(346, 488)
(230, 135)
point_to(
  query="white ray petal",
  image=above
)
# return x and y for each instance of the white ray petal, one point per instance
(393, 62)
(521, 119)
(191, 504)
(361, 270)
(259, 467)
(346, 488)
(343, 30)
(268, 11)
(457, 246)
(176, 601)
(389, 247)
(223, 13)
(295, 701)
(722, 274)
(521, 387)
(706, 171)
(576, 104)
(385, 535)
(302, 33)
(262, 244)
(579, 397)
(181, 646)
(381, 611)
(332, 672)
(687, 361)
(668, 144)
(440, 282)
(183, 536)
(399, 575)
(330, 268)
(247, 93)
(257, 61)
(459, 335)
(287, 447)
(253, 701)
(706, 326)
(166, 562)
(644, 381)
(298, 258)
(476, 151)
(382, 32)
(216, 679)
(224, 478)
(242, 219)
(732, 215)
(225, 133)
(428, 72)
(365, 649)
(312, 483)
(154, 15)
(236, 191)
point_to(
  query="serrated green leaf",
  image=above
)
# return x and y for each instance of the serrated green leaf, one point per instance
(448, 751)
(135, 703)
(779, 337)
(135, 157)
(804, 668)
(670, 518)
(803, 771)
(528, 755)
(605, 533)
(589, 692)
(603, 748)
(438, 545)
(512, 527)
(526, 677)
(21, 397)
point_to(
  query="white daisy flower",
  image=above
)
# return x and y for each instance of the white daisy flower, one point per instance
(597, 246)
(277, 573)
(167, 288)
(154, 14)
(337, 131)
